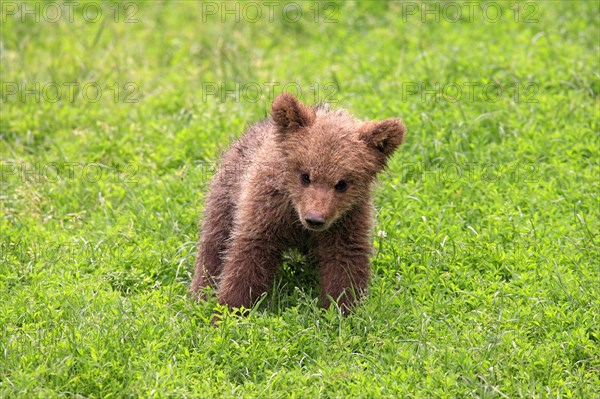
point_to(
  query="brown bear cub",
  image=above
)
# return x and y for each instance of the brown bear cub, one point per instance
(300, 179)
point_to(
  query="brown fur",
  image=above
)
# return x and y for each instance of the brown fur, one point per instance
(258, 202)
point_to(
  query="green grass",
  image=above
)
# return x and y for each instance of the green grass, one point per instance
(486, 283)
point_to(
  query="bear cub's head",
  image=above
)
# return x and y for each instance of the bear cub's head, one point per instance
(332, 157)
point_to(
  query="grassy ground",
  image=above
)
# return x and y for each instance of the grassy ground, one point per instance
(487, 261)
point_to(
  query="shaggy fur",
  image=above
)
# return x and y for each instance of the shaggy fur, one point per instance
(301, 179)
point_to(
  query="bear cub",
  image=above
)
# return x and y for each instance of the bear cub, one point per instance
(300, 179)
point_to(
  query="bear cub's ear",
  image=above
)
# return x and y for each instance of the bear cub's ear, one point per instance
(384, 136)
(289, 114)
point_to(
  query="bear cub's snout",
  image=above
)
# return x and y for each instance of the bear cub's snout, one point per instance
(314, 221)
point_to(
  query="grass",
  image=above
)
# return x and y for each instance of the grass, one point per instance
(487, 248)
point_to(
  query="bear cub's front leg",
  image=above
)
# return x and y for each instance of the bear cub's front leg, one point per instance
(248, 271)
(343, 256)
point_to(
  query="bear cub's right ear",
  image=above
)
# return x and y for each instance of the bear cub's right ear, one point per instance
(289, 114)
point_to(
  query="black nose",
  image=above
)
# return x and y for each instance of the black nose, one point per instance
(314, 220)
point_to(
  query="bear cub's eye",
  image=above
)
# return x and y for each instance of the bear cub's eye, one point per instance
(305, 179)
(341, 186)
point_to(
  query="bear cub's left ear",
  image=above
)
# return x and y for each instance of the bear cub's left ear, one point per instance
(289, 114)
(384, 136)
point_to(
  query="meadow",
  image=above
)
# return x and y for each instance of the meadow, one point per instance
(487, 247)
